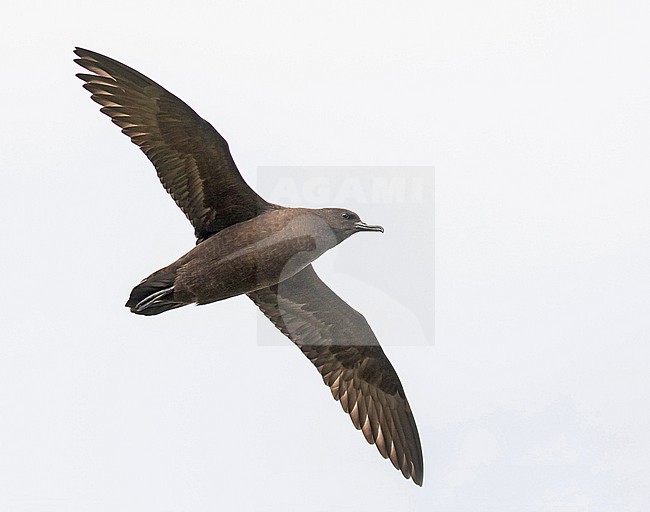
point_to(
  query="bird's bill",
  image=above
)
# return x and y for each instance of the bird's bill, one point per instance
(362, 226)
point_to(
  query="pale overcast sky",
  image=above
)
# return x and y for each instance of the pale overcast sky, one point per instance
(532, 395)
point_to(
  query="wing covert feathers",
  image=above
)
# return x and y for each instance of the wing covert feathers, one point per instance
(192, 159)
(342, 347)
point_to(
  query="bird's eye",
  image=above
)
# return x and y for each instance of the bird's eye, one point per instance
(346, 215)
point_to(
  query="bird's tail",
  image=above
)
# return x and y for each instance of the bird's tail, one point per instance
(155, 294)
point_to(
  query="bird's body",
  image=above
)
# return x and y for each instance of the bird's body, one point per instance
(239, 259)
(246, 245)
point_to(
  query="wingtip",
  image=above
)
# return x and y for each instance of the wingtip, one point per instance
(84, 54)
(418, 473)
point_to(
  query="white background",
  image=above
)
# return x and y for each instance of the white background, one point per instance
(535, 394)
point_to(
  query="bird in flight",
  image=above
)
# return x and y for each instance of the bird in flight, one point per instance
(246, 245)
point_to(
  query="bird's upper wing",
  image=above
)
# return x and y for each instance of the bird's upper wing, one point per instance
(193, 161)
(339, 342)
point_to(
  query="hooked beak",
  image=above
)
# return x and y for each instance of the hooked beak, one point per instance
(362, 226)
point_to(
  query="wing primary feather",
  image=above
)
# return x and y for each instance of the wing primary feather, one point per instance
(180, 144)
(346, 353)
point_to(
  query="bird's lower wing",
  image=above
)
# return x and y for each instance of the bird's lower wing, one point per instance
(339, 342)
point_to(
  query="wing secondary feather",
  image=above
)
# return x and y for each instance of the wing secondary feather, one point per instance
(341, 345)
(192, 159)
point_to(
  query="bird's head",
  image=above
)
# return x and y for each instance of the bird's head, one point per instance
(345, 222)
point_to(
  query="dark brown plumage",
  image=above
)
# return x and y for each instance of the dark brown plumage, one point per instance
(247, 245)
(339, 342)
